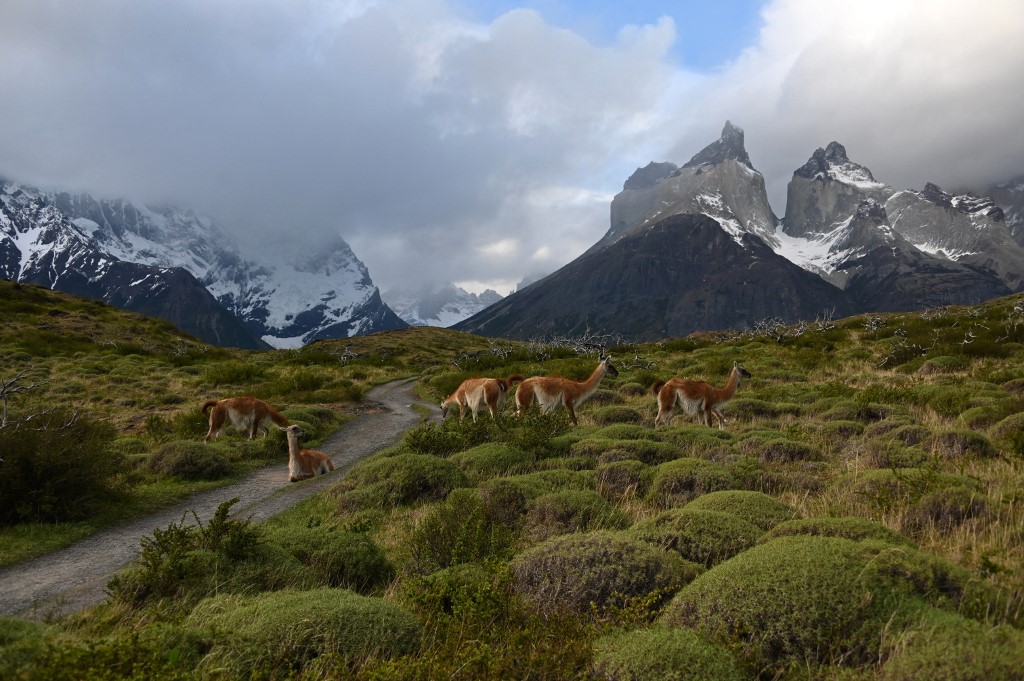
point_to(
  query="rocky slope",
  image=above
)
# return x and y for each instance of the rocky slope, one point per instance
(438, 306)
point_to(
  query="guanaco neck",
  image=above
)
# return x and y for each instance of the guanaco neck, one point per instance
(732, 386)
(590, 385)
(293, 444)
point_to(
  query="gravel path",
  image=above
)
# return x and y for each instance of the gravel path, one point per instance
(74, 578)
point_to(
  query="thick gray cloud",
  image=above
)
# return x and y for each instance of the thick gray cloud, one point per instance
(448, 150)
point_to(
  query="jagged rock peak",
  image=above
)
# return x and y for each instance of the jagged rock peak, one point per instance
(966, 203)
(833, 163)
(728, 146)
(649, 175)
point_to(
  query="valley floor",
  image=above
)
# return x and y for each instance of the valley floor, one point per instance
(76, 577)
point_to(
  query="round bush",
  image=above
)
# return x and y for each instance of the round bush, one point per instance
(848, 527)
(756, 508)
(664, 654)
(886, 489)
(888, 453)
(705, 537)
(280, 632)
(405, 479)
(946, 508)
(841, 430)
(911, 434)
(943, 645)
(781, 450)
(649, 451)
(575, 572)
(619, 479)
(536, 484)
(571, 511)
(632, 389)
(1009, 433)
(818, 600)
(492, 459)
(616, 414)
(677, 482)
(605, 397)
(504, 503)
(189, 461)
(341, 559)
(958, 444)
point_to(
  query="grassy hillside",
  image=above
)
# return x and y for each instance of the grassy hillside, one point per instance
(859, 518)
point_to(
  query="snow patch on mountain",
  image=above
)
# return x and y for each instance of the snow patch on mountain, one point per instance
(442, 306)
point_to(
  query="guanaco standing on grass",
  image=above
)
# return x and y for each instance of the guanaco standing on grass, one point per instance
(476, 392)
(697, 398)
(246, 413)
(304, 463)
(551, 391)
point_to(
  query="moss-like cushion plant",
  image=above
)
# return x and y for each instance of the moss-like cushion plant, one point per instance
(571, 511)
(664, 654)
(677, 482)
(705, 537)
(492, 459)
(342, 559)
(848, 527)
(756, 508)
(278, 633)
(388, 481)
(819, 600)
(578, 573)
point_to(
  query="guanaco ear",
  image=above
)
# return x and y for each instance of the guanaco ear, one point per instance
(284, 428)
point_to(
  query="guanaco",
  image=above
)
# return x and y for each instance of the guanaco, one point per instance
(551, 391)
(304, 463)
(246, 413)
(697, 398)
(475, 392)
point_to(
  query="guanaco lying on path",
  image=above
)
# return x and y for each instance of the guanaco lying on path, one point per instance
(551, 391)
(246, 413)
(304, 463)
(475, 392)
(697, 398)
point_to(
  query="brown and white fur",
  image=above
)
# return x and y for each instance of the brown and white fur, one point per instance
(551, 391)
(246, 413)
(476, 392)
(697, 398)
(304, 463)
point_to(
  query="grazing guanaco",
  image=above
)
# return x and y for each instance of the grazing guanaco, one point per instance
(551, 391)
(246, 413)
(475, 392)
(304, 463)
(697, 398)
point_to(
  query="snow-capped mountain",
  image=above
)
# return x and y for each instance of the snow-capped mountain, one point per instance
(287, 294)
(1009, 196)
(40, 245)
(438, 306)
(698, 247)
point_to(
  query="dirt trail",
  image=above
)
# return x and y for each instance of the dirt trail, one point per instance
(76, 577)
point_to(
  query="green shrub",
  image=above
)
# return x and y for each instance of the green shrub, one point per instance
(649, 451)
(464, 589)
(749, 408)
(460, 529)
(233, 372)
(404, 479)
(189, 461)
(605, 397)
(492, 459)
(184, 562)
(626, 431)
(581, 573)
(325, 632)
(854, 410)
(756, 508)
(677, 482)
(886, 489)
(55, 467)
(947, 507)
(848, 527)
(889, 453)
(943, 364)
(705, 537)
(632, 389)
(911, 434)
(349, 560)
(805, 600)
(841, 430)
(619, 479)
(571, 511)
(22, 644)
(444, 439)
(959, 444)
(664, 654)
(616, 414)
(943, 645)
(1009, 433)
(533, 485)
(782, 450)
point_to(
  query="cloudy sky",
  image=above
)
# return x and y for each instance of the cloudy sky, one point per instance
(481, 142)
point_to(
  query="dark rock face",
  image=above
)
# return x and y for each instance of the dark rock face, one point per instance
(649, 175)
(1009, 196)
(683, 274)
